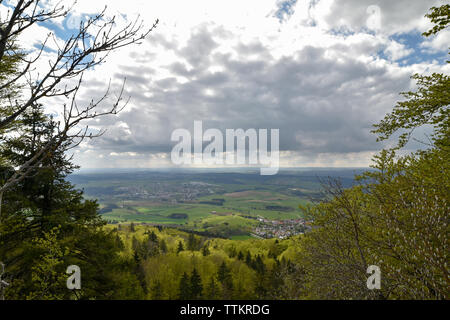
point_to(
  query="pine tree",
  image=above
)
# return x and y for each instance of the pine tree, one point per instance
(157, 290)
(141, 276)
(225, 278)
(212, 290)
(119, 243)
(232, 253)
(150, 247)
(135, 244)
(163, 246)
(276, 280)
(180, 247)
(184, 288)
(152, 237)
(248, 259)
(240, 256)
(261, 286)
(258, 265)
(205, 250)
(192, 242)
(196, 286)
(43, 201)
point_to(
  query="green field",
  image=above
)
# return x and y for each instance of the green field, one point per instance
(254, 203)
(223, 203)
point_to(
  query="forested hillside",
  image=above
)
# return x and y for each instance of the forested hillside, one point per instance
(171, 264)
(396, 217)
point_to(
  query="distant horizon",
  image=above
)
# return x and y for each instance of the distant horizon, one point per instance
(214, 168)
(218, 169)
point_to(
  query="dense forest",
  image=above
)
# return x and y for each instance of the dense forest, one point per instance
(395, 218)
(171, 264)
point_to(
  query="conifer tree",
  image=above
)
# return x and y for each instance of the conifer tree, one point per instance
(192, 242)
(225, 278)
(248, 259)
(163, 246)
(46, 201)
(157, 290)
(212, 290)
(184, 288)
(205, 250)
(180, 247)
(240, 256)
(196, 287)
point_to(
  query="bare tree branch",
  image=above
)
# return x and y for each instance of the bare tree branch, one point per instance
(89, 47)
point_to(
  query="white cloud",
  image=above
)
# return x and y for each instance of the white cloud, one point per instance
(397, 51)
(316, 74)
(438, 43)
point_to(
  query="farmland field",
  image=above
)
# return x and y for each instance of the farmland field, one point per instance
(221, 202)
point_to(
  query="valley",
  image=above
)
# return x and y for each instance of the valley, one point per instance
(235, 204)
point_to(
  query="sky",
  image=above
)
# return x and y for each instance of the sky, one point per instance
(321, 71)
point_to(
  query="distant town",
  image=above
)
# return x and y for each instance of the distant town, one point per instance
(280, 229)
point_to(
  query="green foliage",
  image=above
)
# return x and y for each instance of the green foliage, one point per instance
(157, 291)
(205, 250)
(180, 247)
(225, 278)
(192, 242)
(397, 220)
(212, 290)
(217, 274)
(46, 225)
(440, 16)
(47, 275)
(397, 217)
(428, 105)
(196, 287)
(185, 292)
(9, 65)
(163, 246)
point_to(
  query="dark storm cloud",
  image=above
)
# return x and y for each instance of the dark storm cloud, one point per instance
(320, 104)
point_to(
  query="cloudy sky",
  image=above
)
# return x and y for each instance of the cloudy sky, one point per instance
(322, 71)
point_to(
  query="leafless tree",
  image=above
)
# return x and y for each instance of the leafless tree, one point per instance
(96, 37)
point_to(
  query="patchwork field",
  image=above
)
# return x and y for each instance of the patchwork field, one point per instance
(223, 203)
